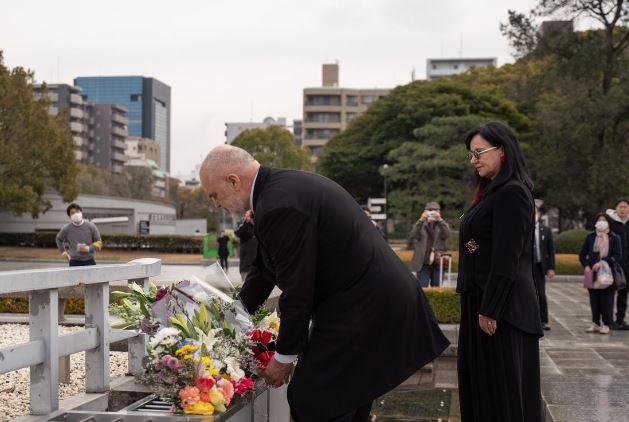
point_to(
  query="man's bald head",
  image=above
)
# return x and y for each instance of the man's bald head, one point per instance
(227, 175)
(225, 159)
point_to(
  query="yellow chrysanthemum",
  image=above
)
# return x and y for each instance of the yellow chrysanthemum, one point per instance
(186, 350)
(206, 361)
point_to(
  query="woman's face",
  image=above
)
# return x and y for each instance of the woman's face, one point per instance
(601, 218)
(489, 164)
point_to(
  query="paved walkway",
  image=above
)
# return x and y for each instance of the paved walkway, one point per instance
(585, 377)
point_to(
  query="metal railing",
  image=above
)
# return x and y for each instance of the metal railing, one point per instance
(45, 348)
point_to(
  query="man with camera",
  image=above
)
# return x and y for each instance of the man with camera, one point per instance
(428, 240)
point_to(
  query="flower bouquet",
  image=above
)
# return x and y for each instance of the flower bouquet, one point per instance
(204, 348)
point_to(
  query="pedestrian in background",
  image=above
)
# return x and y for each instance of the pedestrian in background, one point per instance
(428, 240)
(601, 246)
(248, 245)
(619, 219)
(498, 357)
(223, 250)
(78, 242)
(544, 262)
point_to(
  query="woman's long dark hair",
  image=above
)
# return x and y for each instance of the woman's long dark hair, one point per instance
(514, 165)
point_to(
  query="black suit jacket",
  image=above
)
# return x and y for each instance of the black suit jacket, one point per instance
(502, 226)
(547, 248)
(372, 326)
(248, 246)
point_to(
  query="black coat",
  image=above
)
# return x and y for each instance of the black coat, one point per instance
(223, 250)
(588, 257)
(547, 248)
(622, 230)
(501, 225)
(248, 246)
(372, 326)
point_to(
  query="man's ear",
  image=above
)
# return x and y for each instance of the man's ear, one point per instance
(234, 182)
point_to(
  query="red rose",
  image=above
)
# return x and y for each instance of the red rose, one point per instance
(260, 336)
(244, 385)
(204, 384)
(264, 358)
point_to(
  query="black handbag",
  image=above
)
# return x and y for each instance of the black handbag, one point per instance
(620, 280)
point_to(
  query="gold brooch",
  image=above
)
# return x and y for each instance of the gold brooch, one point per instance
(471, 246)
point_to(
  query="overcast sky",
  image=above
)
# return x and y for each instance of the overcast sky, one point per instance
(230, 61)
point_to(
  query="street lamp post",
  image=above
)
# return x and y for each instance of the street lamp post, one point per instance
(386, 202)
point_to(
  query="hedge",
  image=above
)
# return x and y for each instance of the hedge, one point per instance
(169, 243)
(446, 304)
(570, 241)
(444, 301)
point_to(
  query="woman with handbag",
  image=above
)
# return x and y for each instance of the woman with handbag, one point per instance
(600, 251)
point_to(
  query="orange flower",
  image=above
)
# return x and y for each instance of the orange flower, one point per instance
(227, 390)
(189, 396)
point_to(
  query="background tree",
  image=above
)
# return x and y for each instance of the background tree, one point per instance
(581, 117)
(36, 150)
(275, 147)
(418, 130)
(134, 182)
(192, 202)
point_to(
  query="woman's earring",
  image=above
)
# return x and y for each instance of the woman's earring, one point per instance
(502, 159)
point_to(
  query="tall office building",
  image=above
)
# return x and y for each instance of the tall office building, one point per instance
(108, 129)
(441, 68)
(67, 97)
(233, 129)
(329, 109)
(146, 99)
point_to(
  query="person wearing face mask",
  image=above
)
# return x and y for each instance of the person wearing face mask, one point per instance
(428, 239)
(544, 261)
(78, 240)
(619, 225)
(602, 245)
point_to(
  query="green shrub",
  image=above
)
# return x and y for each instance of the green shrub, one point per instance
(570, 241)
(445, 303)
(19, 305)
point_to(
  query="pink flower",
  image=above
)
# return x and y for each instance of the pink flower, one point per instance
(204, 384)
(243, 386)
(189, 396)
(227, 390)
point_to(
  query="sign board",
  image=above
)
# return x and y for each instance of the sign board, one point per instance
(376, 201)
(378, 216)
(144, 227)
(375, 208)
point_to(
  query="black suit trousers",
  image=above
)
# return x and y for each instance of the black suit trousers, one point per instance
(540, 285)
(621, 300)
(360, 414)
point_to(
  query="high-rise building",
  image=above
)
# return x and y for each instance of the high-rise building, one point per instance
(298, 131)
(67, 97)
(329, 109)
(233, 129)
(108, 129)
(441, 68)
(146, 99)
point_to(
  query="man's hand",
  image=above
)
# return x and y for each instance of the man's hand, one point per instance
(588, 269)
(597, 266)
(66, 255)
(424, 217)
(438, 216)
(249, 217)
(550, 274)
(276, 374)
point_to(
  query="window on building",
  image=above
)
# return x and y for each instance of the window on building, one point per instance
(368, 99)
(316, 151)
(323, 100)
(136, 98)
(321, 133)
(323, 117)
(352, 100)
(350, 116)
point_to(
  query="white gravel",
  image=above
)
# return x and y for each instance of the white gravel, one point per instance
(15, 388)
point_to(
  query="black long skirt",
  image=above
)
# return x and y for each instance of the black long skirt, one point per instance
(499, 375)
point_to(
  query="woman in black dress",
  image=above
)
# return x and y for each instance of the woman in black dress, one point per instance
(223, 251)
(498, 350)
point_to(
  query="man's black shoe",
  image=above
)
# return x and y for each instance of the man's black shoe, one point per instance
(545, 327)
(619, 325)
